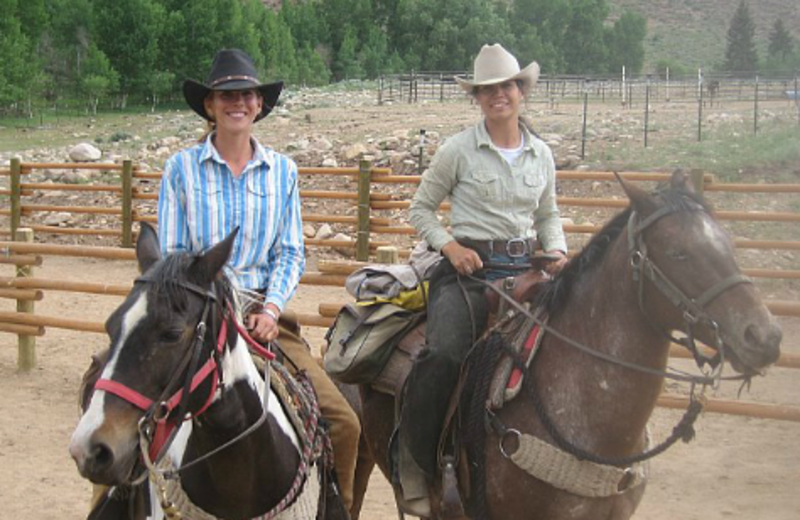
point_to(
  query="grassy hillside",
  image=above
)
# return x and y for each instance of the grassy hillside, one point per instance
(693, 32)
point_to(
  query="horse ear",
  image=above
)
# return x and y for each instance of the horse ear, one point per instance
(148, 250)
(643, 203)
(680, 181)
(210, 263)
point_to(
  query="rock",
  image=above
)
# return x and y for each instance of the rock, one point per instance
(57, 219)
(353, 152)
(330, 162)
(76, 177)
(84, 152)
(345, 251)
(309, 231)
(324, 232)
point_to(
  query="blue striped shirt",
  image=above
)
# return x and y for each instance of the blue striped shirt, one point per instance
(201, 202)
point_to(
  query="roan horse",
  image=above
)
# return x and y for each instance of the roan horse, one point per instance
(181, 408)
(662, 265)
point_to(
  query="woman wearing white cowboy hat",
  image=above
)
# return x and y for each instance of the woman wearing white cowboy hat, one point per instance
(230, 180)
(500, 178)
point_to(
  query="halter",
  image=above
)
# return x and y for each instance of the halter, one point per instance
(693, 310)
(159, 423)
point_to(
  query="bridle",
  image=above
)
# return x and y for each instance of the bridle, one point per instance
(693, 310)
(162, 416)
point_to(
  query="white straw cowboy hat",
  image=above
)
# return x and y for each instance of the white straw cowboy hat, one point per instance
(494, 65)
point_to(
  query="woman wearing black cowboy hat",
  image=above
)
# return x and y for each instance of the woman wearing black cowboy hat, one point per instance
(230, 180)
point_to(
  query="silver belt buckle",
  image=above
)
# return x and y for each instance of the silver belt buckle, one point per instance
(517, 247)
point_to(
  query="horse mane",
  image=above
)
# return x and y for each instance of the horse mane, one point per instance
(554, 294)
(167, 275)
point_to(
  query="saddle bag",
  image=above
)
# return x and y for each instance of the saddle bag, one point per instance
(362, 339)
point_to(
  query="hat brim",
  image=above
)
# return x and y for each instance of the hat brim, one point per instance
(195, 94)
(529, 76)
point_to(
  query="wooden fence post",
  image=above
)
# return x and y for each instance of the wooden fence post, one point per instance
(26, 344)
(387, 255)
(362, 238)
(698, 180)
(127, 203)
(16, 192)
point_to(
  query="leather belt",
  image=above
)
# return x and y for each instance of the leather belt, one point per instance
(515, 247)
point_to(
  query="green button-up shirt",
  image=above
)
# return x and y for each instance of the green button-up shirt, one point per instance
(491, 199)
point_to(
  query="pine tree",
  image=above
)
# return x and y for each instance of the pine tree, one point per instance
(740, 54)
(780, 41)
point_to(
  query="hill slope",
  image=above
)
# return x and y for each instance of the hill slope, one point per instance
(692, 32)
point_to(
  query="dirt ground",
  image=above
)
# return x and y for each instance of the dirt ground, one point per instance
(737, 468)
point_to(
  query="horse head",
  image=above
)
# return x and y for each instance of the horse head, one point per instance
(690, 280)
(157, 338)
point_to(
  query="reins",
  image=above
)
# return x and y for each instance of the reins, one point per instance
(693, 311)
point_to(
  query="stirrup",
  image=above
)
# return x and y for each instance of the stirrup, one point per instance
(451, 505)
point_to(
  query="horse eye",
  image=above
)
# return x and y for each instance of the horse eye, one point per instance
(171, 335)
(677, 254)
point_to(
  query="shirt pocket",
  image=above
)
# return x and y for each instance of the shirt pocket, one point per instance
(487, 184)
(530, 187)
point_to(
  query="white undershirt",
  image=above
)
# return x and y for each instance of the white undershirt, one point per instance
(511, 154)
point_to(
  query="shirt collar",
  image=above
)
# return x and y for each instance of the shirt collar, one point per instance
(484, 140)
(261, 155)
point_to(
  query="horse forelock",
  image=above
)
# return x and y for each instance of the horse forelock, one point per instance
(553, 295)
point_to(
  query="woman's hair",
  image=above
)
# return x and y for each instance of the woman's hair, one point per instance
(210, 127)
(474, 92)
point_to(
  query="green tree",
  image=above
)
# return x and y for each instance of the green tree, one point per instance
(98, 78)
(740, 54)
(160, 84)
(780, 41)
(626, 43)
(16, 52)
(67, 41)
(584, 42)
(540, 26)
(128, 33)
(347, 65)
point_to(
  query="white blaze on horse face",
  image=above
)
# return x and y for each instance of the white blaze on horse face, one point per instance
(94, 417)
(237, 365)
(714, 235)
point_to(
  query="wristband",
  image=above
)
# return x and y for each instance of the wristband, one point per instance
(269, 312)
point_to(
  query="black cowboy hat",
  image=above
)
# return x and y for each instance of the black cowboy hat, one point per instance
(232, 69)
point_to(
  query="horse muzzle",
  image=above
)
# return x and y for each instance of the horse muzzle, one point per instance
(755, 347)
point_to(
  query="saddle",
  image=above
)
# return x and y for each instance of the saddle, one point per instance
(506, 381)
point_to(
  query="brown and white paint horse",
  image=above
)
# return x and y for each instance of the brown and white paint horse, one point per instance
(178, 359)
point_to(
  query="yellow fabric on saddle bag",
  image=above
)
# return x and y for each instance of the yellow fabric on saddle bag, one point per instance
(415, 299)
(362, 339)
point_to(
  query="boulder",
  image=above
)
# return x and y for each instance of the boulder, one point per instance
(84, 152)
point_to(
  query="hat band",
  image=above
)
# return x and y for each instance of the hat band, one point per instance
(232, 78)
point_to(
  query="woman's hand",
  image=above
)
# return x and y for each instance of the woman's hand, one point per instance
(556, 265)
(465, 260)
(263, 326)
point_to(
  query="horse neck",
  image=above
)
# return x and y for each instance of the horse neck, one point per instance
(269, 456)
(602, 313)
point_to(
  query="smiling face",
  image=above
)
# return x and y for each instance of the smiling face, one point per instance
(500, 101)
(234, 111)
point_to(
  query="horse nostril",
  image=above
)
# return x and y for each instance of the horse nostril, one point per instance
(765, 339)
(101, 457)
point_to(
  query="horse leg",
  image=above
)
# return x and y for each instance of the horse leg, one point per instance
(364, 466)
